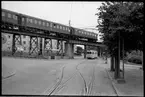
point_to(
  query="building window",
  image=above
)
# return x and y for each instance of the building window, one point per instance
(9, 15)
(3, 13)
(24, 42)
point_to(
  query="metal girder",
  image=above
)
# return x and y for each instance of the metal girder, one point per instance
(60, 47)
(33, 45)
(17, 41)
(48, 46)
(40, 50)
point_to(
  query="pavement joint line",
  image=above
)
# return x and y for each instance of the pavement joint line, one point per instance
(113, 84)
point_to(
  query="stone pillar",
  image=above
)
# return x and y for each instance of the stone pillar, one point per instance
(69, 50)
(85, 51)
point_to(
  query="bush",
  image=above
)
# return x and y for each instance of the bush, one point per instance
(135, 59)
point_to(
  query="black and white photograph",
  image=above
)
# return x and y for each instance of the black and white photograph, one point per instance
(72, 48)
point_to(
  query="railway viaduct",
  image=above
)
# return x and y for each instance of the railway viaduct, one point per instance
(41, 33)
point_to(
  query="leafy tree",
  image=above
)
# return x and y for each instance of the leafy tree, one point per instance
(124, 19)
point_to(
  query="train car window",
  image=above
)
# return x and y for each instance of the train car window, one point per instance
(47, 24)
(51, 24)
(60, 27)
(54, 25)
(57, 26)
(9, 15)
(31, 21)
(35, 21)
(39, 22)
(22, 19)
(27, 20)
(43, 23)
(3, 14)
(15, 17)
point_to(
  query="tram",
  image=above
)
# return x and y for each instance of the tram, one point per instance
(92, 54)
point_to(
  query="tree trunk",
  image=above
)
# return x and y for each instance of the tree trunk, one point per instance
(112, 64)
(115, 73)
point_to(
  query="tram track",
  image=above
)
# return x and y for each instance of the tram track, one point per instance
(90, 86)
(59, 85)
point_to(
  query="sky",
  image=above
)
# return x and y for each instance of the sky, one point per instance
(81, 14)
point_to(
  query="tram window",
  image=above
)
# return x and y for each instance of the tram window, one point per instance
(3, 13)
(9, 15)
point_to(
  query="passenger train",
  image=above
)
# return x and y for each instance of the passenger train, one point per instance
(32, 22)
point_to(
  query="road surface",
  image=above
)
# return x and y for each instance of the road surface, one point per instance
(57, 77)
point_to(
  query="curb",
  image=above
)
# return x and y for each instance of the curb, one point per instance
(113, 84)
